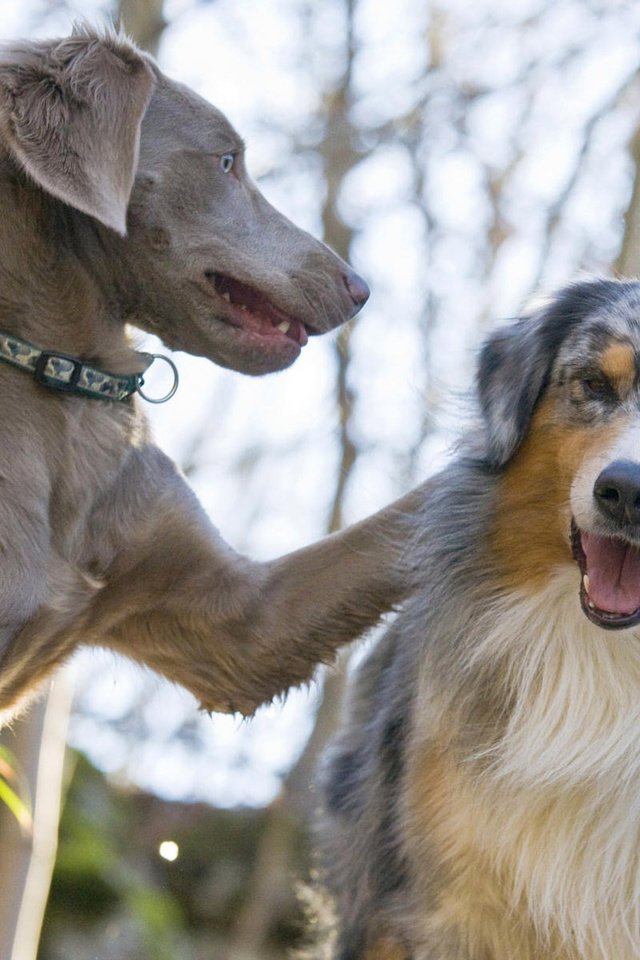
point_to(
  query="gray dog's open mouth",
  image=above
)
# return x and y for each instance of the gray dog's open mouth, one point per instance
(610, 584)
(249, 310)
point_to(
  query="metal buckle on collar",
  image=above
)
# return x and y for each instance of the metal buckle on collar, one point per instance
(173, 388)
(57, 381)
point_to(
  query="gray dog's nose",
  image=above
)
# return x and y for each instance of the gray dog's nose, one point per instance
(358, 289)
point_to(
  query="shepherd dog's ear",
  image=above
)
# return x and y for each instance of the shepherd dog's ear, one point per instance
(512, 374)
(70, 115)
(516, 362)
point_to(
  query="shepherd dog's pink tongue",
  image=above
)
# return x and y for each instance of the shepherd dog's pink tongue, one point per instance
(613, 568)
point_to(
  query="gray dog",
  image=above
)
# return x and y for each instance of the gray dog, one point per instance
(125, 199)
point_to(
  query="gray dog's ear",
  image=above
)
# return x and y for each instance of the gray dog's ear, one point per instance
(70, 115)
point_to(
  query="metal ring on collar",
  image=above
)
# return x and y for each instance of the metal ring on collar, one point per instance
(176, 379)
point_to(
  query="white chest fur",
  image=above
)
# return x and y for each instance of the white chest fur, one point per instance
(559, 809)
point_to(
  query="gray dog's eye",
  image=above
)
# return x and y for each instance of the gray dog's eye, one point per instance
(227, 161)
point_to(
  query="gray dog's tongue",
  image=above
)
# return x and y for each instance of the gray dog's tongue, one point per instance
(613, 568)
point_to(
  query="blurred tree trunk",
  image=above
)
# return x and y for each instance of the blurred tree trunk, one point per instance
(27, 859)
(628, 261)
(143, 20)
(38, 739)
(276, 864)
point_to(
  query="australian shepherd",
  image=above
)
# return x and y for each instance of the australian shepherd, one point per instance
(483, 801)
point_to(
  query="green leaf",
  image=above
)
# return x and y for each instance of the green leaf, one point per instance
(8, 764)
(16, 805)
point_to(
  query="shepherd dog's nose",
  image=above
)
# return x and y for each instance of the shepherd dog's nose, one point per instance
(617, 492)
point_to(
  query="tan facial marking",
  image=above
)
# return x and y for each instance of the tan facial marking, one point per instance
(386, 950)
(618, 364)
(533, 514)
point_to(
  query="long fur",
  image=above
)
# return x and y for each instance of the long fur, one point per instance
(483, 802)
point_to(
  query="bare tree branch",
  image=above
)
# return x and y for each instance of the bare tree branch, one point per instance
(629, 255)
(144, 21)
(275, 861)
(627, 263)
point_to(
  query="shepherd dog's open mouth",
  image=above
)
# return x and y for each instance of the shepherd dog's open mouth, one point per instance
(610, 584)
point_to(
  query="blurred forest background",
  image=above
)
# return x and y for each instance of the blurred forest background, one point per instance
(463, 156)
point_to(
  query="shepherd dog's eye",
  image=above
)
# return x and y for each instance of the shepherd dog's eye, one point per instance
(596, 387)
(226, 162)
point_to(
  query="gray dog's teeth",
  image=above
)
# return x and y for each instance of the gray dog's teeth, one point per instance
(284, 326)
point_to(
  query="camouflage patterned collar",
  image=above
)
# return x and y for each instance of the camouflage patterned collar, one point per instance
(59, 371)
